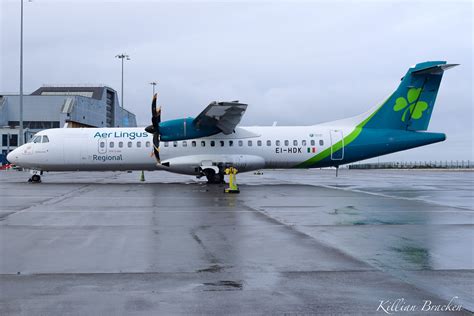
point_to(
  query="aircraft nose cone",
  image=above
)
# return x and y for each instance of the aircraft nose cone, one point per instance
(12, 157)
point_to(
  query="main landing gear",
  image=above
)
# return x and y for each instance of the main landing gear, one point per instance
(35, 176)
(214, 177)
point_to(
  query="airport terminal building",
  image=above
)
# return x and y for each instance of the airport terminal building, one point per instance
(60, 106)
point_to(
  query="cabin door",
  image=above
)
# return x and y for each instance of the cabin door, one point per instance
(337, 152)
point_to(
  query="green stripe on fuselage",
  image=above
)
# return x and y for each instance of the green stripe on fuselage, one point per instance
(346, 141)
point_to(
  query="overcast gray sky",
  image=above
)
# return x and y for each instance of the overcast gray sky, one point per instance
(298, 63)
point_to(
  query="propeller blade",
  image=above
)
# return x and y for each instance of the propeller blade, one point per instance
(155, 113)
(156, 146)
(155, 128)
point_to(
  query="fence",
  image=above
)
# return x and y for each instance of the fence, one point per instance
(446, 164)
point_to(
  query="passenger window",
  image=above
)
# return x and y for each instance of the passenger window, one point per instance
(129, 144)
(147, 144)
(241, 143)
(259, 143)
(313, 142)
(166, 144)
(121, 144)
(321, 142)
(139, 144)
(249, 143)
(231, 143)
(203, 143)
(111, 144)
(277, 142)
(102, 144)
(287, 142)
(295, 143)
(303, 142)
(269, 142)
(45, 139)
(222, 143)
(185, 143)
(193, 143)
(175, 144)
(213, 143)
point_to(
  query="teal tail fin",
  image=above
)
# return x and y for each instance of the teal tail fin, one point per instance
(411, 105)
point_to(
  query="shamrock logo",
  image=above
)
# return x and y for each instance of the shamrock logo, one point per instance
(416, 108)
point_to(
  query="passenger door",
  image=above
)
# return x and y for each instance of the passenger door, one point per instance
(337, 136)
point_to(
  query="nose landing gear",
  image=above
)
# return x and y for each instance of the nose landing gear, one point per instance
(35, 176)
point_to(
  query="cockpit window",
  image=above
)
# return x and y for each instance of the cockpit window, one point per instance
(45, 139)
(37, 139)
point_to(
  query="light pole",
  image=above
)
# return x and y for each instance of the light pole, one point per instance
(122, 57)
(153, 83)
(21, 76)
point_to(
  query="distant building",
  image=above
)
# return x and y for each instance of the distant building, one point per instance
(60, 106)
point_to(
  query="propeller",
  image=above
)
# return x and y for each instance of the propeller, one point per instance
(155, 127)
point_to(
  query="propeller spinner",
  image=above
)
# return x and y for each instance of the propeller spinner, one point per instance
(155, 127)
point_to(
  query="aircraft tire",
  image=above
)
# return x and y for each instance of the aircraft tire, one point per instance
(213, 177)
(35, 178)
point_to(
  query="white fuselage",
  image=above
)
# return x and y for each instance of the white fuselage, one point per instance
(247, 149)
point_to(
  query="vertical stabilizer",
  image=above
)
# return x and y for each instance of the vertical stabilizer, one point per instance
(411, 105)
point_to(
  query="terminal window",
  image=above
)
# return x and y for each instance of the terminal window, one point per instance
(35, 124)
(13, 141)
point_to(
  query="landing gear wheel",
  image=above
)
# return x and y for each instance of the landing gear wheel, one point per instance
(36, 178)
(220, 178)
(213, 177)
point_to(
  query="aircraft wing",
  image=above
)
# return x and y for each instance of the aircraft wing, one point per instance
(223, 115)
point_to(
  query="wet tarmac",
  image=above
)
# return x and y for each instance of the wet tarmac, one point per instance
(292, 242)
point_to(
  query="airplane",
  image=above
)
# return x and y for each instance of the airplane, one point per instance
(211, 142)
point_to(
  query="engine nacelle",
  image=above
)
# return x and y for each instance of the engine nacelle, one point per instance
(181, 129)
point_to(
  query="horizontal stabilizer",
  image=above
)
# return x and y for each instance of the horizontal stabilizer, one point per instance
(434, 70)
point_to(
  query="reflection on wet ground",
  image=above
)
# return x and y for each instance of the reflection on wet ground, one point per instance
(293, 241)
